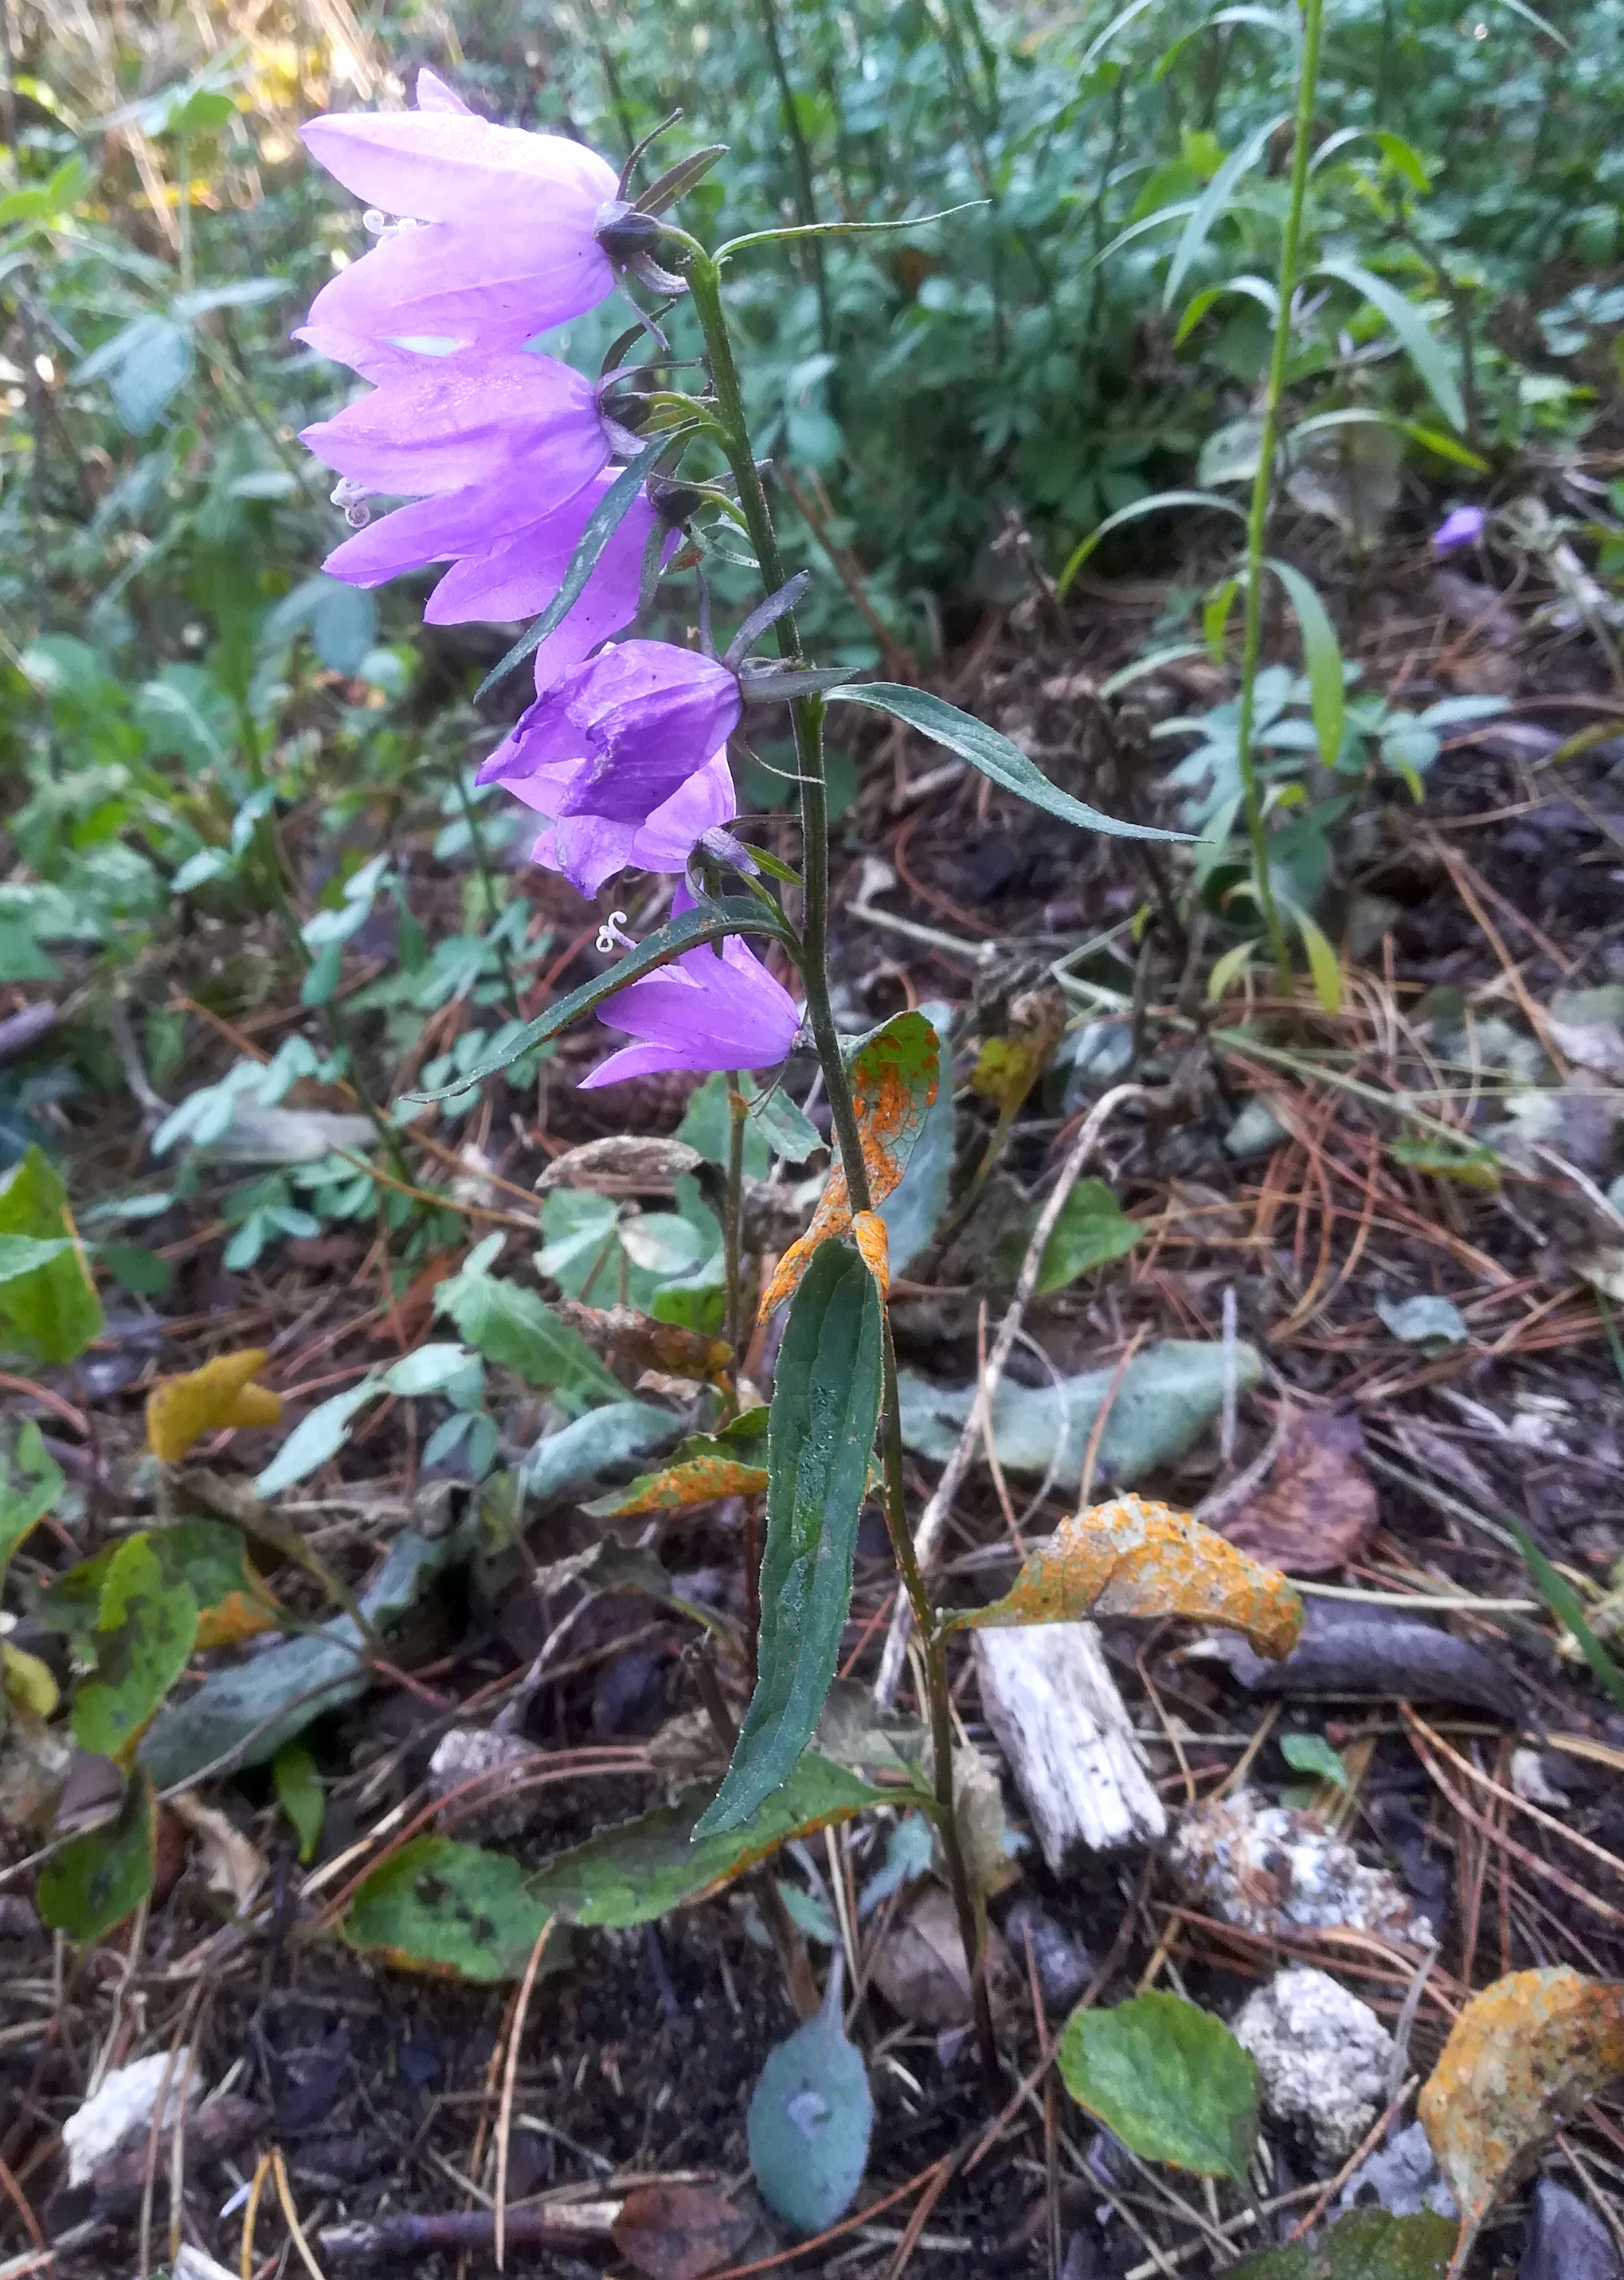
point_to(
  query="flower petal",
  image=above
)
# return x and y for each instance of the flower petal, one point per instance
(440, 164)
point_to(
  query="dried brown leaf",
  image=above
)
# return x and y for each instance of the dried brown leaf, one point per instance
(623, 1164)
(1522, 2057)
(1317, 1507)
(638, 1339)
(1131, 1557)
(679, 2232)
(919, 1965)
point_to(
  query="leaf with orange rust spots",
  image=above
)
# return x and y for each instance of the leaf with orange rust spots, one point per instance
(1522, 2057)
(179, 1410)
(893, 1074)
(1131, 1557)
(638, 1339)
(873, 1245)
(701, 1480)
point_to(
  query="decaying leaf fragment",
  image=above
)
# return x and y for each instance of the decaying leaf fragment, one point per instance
(1131, 1557)
(1522, 2057)
(893, 1075)
(179, 1410)
(705, 1467)
(637, 1338)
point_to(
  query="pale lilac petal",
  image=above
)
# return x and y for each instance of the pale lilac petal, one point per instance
(433, 93)
(455, 421)
(1463, 527)
(588, 850)
(675, 829)
(704, 1013)
(652, 715)
(518, 575)
(440, 165)
(429, 530)
(633, 1060)
(496, 284)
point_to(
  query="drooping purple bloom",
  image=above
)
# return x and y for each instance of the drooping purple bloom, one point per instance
(701, 1012)
(522, 425)
(588, 850)
(645, 715)
(504, 245)
(1463, 526)
(508, 562)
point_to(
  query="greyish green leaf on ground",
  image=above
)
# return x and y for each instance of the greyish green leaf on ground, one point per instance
(810, 2118)
(1164, 1401)
(145, 1628)
(1168, 2079)
(1091, 1231)
(1365, 2245)
(512, 1327)
(821, 1432)
(301, 1795)
(98, 1879)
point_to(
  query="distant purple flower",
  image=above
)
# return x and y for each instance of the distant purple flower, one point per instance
(526, 424)
(506, 245)
(508, 562)
(701, 1012)
(588, 850)
(646, 716)
(1463, 526)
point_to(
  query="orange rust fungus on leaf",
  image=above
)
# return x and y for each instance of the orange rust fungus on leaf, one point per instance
(1131, 1557)
(696, 1480)
(238, 1616)
(179, 1410)
(894, 1080)
(873, 1239)
(1521, 2057)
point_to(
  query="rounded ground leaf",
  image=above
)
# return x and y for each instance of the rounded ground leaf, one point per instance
(1169, 2079)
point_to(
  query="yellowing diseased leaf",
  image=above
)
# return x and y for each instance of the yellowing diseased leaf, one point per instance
(1131, 1557)
(1007, 1068)
(638, 1339)
(893, 1077)
(696, 1480)
(873, 1244)
(28, 1682)
(1522, 2057)
(179, 1410)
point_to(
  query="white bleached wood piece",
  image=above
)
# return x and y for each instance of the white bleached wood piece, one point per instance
(1064, 1729)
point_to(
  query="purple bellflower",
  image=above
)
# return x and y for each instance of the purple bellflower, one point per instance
(588, 850)
(500, 241)
(643, 716)
(701, 1012)
(1463, 526)
(508, 562)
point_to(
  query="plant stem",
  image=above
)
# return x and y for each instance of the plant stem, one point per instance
(1256, 521)
(805, 196)
(733, 1219)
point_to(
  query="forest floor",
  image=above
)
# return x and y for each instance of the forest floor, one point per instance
(1378, 1466)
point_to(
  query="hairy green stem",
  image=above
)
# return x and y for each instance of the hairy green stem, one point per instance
(733, 1219)
(1256, 521)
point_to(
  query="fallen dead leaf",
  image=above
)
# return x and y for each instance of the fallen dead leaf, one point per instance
(919, 1965)
(1131, 1557)
(231, 1863)
(1521, 2057)
(123, 2105)
(1317, 1509)
(179, 1410)
(679, 2232)
(637, 1338)
(623, 1164)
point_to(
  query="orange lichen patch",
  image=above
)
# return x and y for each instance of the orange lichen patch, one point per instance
(180, 1409)
(1522, 2057)
(696, 1480)
(893, 1087)
(240, 1616)
(1131, 1557)
(873, 1239)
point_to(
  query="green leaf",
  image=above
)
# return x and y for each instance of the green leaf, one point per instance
(821, 1432)
(1091, 1230)
(145, 1628)
(1365, 2244)
(1436, 1324)
(1157, 503)
(1170, 2080)
(30, 1483)
(512, 1328)
(990, 751)
(1415, 335)
(602, 524)
(98, 1879)
(789, 1131)
(1322, 960)
(1311, 1753)
(155, 367)
(645, 1868)
(315, 1438)
(707, 1126)
(811, 2117)
(1235, 962)
(50, 1310)
(1321, 655)
(1210, 205)
(439, 1906)
(26, 1254)
(733, 914)
(300, 1793)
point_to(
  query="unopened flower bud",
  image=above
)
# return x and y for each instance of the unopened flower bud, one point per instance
(623, 232)
(674, 502)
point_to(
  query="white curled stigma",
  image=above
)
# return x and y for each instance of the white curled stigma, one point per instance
(350, 498)
(610, 936)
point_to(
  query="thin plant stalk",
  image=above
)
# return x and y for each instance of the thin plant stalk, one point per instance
(807, 715)
(1256, 521)
(733, 1220)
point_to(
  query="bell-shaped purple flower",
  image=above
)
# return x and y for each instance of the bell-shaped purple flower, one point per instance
(588, 850)
(508, 562)
(504, 245)
(701, 1012)
(434, 424)
(645, 715)
(1463, 526)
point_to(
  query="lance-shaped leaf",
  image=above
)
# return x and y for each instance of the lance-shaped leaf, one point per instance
(990, 751)
(512, 1327)
(893, 1075)
(48, 1308)
(1131, 1557)
(179, 1410)
(708, 923)
(145, 1628)
(705, 1467)
(1522, 2057)
(631, 1875)
(1169, 2079)
(99, 1878)
(820, 1431)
